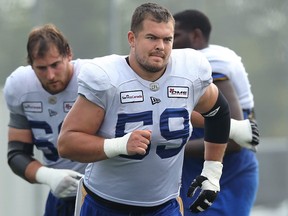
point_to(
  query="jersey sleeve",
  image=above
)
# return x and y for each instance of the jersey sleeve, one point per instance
(205, 75)
(13, 89)
(219, 77)
(18, 121)
(197, 69)
(94, 84)
(226, 62)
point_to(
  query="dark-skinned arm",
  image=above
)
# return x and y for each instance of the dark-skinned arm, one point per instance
(195, 148)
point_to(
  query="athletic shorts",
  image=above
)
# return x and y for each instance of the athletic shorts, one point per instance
(94, 205)
(59, 207)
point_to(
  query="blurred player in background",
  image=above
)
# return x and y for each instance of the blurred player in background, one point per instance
(38, 97)
(239, 182)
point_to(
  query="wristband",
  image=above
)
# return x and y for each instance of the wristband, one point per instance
(212, 170)
(116, 146)
(43, 174)
(240, 130)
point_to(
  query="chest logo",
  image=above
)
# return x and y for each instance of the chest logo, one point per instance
(177, 92)
(35, 107)
(67, 106)
(131, 97)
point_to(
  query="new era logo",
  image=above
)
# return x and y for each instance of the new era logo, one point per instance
(52, 112)
(155, 100)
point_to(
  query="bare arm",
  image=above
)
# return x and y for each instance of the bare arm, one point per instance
(214, 107)
(78, 138)
(195, 147)
(226, 87)
(62, 182)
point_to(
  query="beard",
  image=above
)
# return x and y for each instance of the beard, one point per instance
(151, 68)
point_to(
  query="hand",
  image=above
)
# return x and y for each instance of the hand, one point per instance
(62, 182)
(245, 133)
(132, 143)
(139, 142)
(208, 182)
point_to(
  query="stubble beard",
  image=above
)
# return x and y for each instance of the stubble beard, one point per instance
(145, 65)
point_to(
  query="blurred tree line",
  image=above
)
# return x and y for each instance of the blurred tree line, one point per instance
(256, 30)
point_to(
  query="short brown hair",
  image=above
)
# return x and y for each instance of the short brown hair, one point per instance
(152, 11)
(40, 39)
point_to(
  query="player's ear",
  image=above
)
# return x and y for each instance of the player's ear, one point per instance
(196, 38)
(69, 53)
(131, 39)
(195, 34)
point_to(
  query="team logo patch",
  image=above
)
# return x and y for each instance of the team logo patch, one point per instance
(52, 100)
(35, 107)
(154, 86)
(155, 100)
(67, 106)
(131, 96)
(177, 92)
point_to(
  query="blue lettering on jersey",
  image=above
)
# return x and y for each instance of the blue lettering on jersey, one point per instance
(48, 148)
(147, 119)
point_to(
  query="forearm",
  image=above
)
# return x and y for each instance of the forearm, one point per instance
(81, 147)
(214, 151)
(96, 148)
(30, 172)
(195, 148)
(232, 146)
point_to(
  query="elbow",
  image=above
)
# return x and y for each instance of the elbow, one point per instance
(62, 147)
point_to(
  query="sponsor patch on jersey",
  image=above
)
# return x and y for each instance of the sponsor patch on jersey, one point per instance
(177, 92)
(67, 106)
(131, 96)
(36, 107)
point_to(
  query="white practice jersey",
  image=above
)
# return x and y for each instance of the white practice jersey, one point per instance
(45, 113)
(226, 61)
(132, 103)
